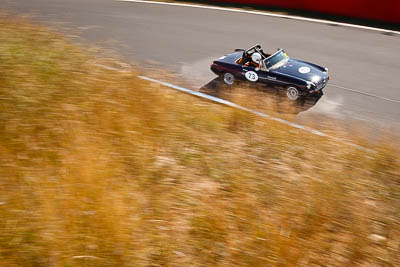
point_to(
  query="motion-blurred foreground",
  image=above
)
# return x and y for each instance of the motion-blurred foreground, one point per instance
(98, 168)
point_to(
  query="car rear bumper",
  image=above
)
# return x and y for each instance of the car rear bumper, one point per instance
(216, 69)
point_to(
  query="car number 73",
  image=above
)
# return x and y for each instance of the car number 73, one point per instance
(251, 76)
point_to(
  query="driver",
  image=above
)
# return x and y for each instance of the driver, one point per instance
(255, 60)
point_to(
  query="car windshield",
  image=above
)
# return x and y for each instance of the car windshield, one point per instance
(276, 60)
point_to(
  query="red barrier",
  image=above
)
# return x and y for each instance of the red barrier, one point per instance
(383, 10)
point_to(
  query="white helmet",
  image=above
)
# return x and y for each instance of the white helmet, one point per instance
(256, 57)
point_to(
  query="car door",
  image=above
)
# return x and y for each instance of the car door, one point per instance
(251, 74)
(268, 77)
(257, 75)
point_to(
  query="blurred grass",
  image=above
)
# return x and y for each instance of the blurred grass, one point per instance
(99, 168)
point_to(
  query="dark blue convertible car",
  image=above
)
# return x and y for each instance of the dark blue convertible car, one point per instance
(298, 78)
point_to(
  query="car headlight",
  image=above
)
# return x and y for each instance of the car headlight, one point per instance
(315, 79)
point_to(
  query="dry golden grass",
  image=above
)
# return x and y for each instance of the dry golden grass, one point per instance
(99, 168)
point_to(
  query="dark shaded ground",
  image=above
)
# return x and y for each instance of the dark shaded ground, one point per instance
(280, 102)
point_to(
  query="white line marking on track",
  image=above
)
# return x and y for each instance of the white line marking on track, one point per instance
(231, 104)
(363, 93)
(266, 14)
(111, 68)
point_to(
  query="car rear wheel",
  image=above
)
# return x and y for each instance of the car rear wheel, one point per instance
(229, 79)
(292, 93)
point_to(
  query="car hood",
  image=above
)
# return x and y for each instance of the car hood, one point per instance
(301, 69)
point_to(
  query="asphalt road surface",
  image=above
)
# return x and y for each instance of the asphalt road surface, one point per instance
(187, 39)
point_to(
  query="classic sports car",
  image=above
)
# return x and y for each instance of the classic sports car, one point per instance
(298, 78)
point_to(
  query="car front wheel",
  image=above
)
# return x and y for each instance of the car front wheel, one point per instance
(229, 79)
(292, 93)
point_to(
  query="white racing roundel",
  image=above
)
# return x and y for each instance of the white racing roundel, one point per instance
(304, 70)
(251, 76)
